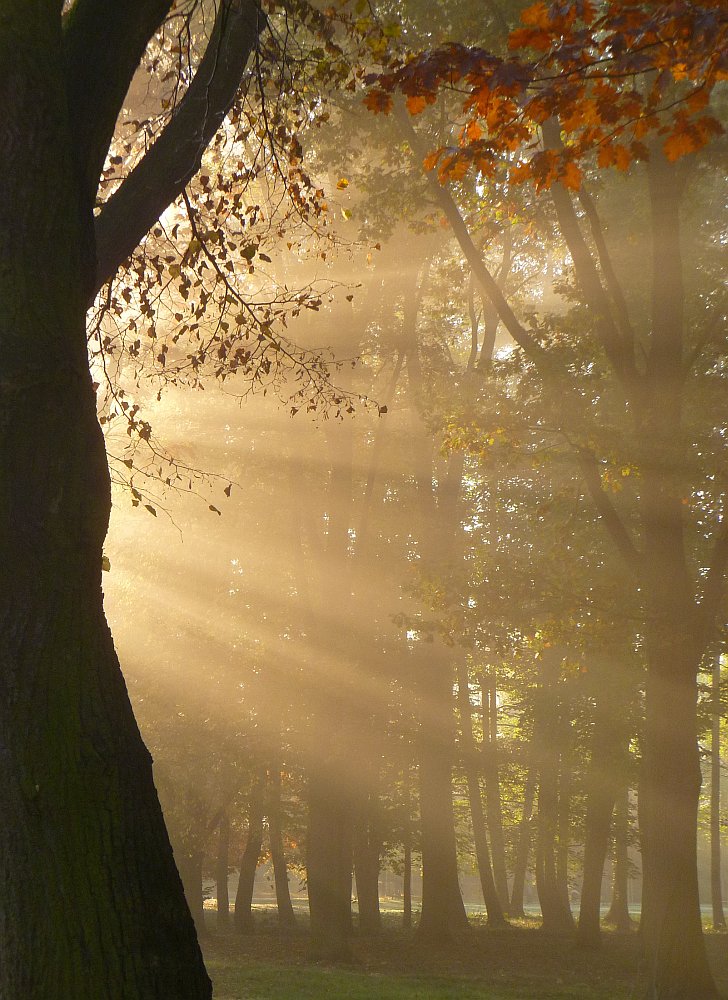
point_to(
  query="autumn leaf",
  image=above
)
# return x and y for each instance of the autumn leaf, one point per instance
(679, 144)
(342, 184)
(571, 177)
(416, 104)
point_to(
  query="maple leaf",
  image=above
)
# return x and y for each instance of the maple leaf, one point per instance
(536, 15)
(680, 144)
(571, 176)
(416, 104)
(378, 102)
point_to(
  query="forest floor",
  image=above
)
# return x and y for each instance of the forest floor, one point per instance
(519, 963)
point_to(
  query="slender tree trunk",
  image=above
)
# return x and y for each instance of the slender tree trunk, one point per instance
(82, 838)
(407, 854)
(443, 912)
(716, 887)
(602, 782)
(563, 832)
(487, 883)
(525, 835)
(556, 915)
(491, 776)
(222, 870)
(367, 854)
(243, 910)
(618, 914)
(286, 914)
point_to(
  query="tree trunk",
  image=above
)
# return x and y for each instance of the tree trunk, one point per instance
(618, 914)
(407, 854)
(491, 777)
(671, 925)
(601, 795)
(716, 887)
(523, 850)
(222, 870)
(556, 915)
(189, 863)
(487, 883)
(367, 854)
(443, 913)
(286, 914)
(243, 909)
(82, 839)
(329, 863)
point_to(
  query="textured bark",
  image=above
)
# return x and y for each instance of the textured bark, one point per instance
(243, 909)
(82, 839)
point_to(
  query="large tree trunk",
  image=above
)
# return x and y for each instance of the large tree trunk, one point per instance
(674, 640)
(329, 861)
(82, 838)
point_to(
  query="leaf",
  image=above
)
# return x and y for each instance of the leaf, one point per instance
(148, 506)
(105, 564)
(679, 144)
(249, 251)
(342, 184)
(416, 104)
(215, 510)
(228, 489)
(571, 177)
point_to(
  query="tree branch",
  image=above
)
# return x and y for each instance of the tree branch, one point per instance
(606, 509)
(619, 350)
(104, 42)
(174, 159)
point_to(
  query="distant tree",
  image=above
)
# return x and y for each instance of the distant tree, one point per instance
(554, 120)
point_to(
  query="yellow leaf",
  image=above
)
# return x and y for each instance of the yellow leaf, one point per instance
(342, 184)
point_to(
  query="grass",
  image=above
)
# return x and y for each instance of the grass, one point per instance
(517, 964)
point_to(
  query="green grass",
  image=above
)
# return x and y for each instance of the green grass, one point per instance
(255, 980)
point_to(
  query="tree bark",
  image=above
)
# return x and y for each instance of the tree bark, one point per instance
(407, 853)
(83, 837)
(243, 908)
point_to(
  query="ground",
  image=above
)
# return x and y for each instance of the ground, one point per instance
(518, 964)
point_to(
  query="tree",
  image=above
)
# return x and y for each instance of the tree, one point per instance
(83, 836)
(553, 120)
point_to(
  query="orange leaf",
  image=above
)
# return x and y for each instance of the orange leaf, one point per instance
(416, 104)
(571, 177)
(622, 157)
(537, 15)
(679, 144)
